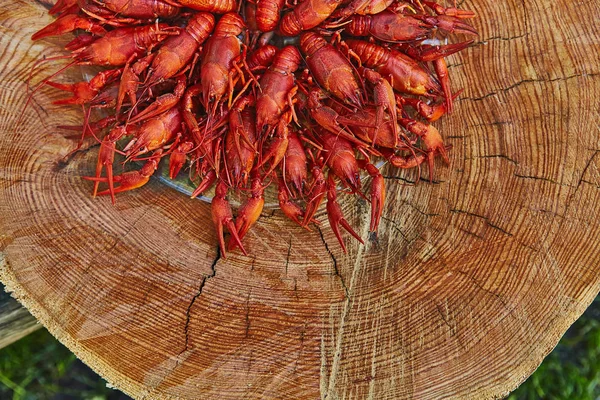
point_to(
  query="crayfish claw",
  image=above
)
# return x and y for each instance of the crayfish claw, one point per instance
(290, 209)
(223, 216)
(250, 211)
(207, 182)
(315, 196)
(335, 215)
(128, 180)
(377, 193)
(68, 23)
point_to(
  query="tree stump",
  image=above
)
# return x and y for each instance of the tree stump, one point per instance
(472, 282)
(15, 321)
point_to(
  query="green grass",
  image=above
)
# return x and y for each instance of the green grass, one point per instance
(572, 370)
(39, 367)
(32, 367)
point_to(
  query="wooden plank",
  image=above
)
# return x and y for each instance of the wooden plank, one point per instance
(15, 321)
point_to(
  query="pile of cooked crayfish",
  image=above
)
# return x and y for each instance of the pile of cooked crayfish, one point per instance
(305, 94)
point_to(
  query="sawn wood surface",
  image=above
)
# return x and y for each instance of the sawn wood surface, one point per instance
(472, 282)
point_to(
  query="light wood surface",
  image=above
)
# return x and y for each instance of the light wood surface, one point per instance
(473, 280)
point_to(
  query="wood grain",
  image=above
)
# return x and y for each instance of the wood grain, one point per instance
(472, 282)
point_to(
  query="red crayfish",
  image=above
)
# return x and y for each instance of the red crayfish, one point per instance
(311, 95)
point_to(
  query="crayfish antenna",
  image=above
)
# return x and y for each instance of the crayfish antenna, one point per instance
(43, 82)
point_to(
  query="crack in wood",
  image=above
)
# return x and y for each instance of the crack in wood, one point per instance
(409, 181)
(397, 228)
(580, 180)
(486, 219)
(490, 123)
(13, 182)
(335, 266)
(452, 329)
(471, 233)
(594, 184)
(501, 156)
(483, 289)
(524, 81)
(542, 178)
(247, 330)
(587, 166)
(502, 38)
(296, 289)
(408, 203)
(198, 293)
(287, 258)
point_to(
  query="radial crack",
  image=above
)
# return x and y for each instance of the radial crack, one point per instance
(530, 80)
(289, 252)
(189, 308)
(335, 266)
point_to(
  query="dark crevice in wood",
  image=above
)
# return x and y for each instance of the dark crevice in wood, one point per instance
(12, 182)
(298, 359)
(587, 166)
(524, 81)
(455, 65)
(580, 180)
(486, 219)
(483, 289)
(471, 233)
(488, 123)
(541, 178)
(397, 229)
(400, 178)
(247, 330)
(15, 180)
(452, 332)
(502, 38)
(287, 258)
(296, 289)
(419, 210)
(591, 183)
(138, 219)
(335, 265)
(501, 156)
(198, 293)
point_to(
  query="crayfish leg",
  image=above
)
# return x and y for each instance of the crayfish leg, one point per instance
(441, 70)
